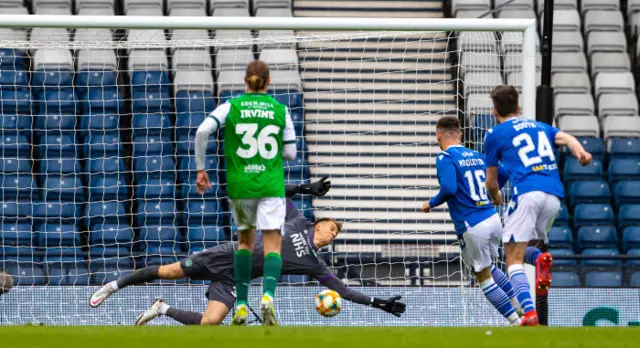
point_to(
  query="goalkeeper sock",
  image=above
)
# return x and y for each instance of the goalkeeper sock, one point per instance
(531, 255)
(521, 287)
(184, 317)
(145, 275)
(242, 271)
(272, 269)
(503, 282)
(499, 300)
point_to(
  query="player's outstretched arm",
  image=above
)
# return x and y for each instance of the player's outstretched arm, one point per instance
(318, 188)
(214, 121)
(574, 146)
(391, 305)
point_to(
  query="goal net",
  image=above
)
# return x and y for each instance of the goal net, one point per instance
(98, 169)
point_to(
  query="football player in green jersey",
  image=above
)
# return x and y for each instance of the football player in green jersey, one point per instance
(258, 135)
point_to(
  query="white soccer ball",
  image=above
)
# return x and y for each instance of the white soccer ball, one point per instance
(328, 303)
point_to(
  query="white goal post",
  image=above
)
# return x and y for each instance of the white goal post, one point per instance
(429, 302)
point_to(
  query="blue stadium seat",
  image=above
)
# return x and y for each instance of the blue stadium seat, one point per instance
(65, 255)
(57, 145)
(101, 257)
(12, 121)
(104, 122)
(16, 210)
(57, 235)
(56, 101)
(595, 146)
(189, 189)
(150, 81)
(102, 144)
(626, 192)
(624, 148)
(147, 145)
(99, 100)
(624, 169)
(305, 207)
(161, 212)
(202, 237)
(187, 167)
(226, 95)
(630, 238)
(17, 186)
(26, 274)
(162, 239)
(634, 280)
(95, 78)
(14, 144)
(56, 211)
(565, 279)
(201, 212)
(16, 234)
(574, 171)
(601, 237)
(14, 254)
(603, 279)
(111, 235)
(15, 101)
(155, 189)
(51, 78)
(296, 169)
(11, 78)
(62, 188)
(596, 191)
(185, 145)
(481, 123)
(560, 237)
(291, 99)
(562, 219)
(106, 165)
(107, 212)
(68, 274)
(53, 165)
(151, 102)
(150, 123)
(109, 273)
(189, 123)
(56, 121)
(629, 215)
(194, 102)
(297, 118)
(160, 259)
(107, 188)
(596, 262)
(635, 261)
(557, 262)
(149, 167)
(10, 59)
(592, 214)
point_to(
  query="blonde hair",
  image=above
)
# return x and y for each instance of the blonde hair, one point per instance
(257, 75)
(338, 223)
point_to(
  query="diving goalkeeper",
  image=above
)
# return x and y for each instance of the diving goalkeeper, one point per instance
(300, 244)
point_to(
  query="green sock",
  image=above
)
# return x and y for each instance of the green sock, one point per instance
(272, 269)
(242, 270)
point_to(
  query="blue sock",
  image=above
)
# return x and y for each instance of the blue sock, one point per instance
(503, 282)
(498, 298)
(531, 255)
(521, 287)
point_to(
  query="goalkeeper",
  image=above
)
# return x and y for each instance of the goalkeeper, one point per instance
(302, 239)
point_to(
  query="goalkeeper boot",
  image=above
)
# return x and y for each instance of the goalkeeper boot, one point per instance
(530, 319)
(268, 313)
(150, 313)
(240, 316)
(101, 295)
(543, 273)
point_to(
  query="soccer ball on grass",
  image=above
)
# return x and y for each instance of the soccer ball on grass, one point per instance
(328, 303)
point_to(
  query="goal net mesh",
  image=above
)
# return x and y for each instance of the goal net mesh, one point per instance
(98, 170)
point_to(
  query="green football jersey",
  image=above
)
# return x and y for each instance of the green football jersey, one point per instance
(253, 142)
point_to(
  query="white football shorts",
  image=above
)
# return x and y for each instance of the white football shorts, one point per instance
(530, 216)
(259, 213)
(481, 243)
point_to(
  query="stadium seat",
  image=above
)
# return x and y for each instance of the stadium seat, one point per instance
(580, 126)
(62, 188)
(57, 144)
(11, 59)
(102, 144)
(17, 186)
(101, 122)
(606, 41)
(573, 170)
(187, 167)
(595, 261)
(17, 254)
(609, 62)
(108, 274)
(149, 167)
(9, 121)
(14, 144)
(629, 215)
(111, 235)
(21, 211)
(603, 279)
(600, 237)
(102, 100)
(151, 124)
(624, 148)
(624, 169)
(56, 211)
(153, 144)
(562, 219)
(16, 234)
(155, 189)
(106, 166)
(185, 145)
(560, 237)
(153, 83)
(156, 212)
(589, 192)
(160, 239)
(204, 236)
(574, 104)
(595, 146)
(201, 212)
(13, 78)
(634, 280)
(634, 260)
(189, 189)
(191, 109)
(626, 192)
(151, 102)
(107, 188)
(107, 212)
(69, 274)
(94, 79)
(618, 104)
(592, 214)
(631, 238)
(296, 169)
(565, 279)
(621, 126)
(57, 235)
(571, 83)
(26, 274)
(305, 207)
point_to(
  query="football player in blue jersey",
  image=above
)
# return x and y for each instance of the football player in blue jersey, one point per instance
(525, 148)
(461, 174)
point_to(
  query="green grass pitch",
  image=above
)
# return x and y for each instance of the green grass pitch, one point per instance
(308, 337)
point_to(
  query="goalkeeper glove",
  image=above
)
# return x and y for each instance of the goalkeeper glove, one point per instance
(318, 188)
(392, 305)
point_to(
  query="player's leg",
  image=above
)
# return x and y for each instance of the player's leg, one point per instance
(271, 214)
(503, 282)
(141, 276)
(543, 260)
(244, 213)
